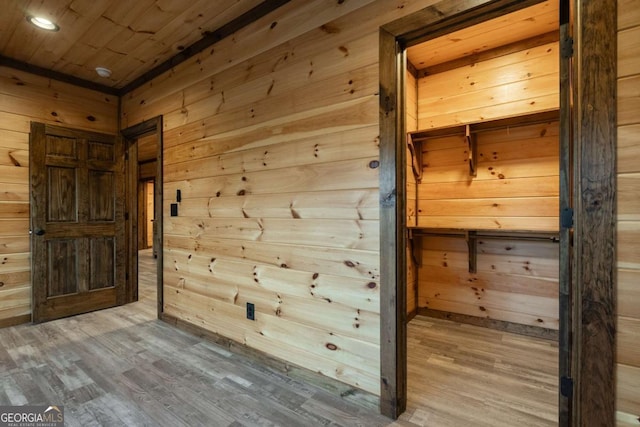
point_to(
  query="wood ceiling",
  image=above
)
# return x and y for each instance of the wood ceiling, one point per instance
(537, 23)
(137, 38)
(130, 37)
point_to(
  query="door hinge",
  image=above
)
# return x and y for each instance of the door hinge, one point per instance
(566, 47)
(566, 386)
(566, 218)
(126, 216)
(126, 155)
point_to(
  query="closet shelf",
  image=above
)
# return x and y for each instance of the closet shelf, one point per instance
(463, 130)
(472, 236)
(469, 132)
(486, 234)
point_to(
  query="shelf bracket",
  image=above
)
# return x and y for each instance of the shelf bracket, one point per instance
(472, 243)
(415, 248)
(472, 149)
(415, 150)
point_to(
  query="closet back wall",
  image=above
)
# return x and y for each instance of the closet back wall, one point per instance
(516, 189)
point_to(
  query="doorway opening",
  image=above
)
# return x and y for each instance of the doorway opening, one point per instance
(143, 172)
(146, 215)
(480, 159)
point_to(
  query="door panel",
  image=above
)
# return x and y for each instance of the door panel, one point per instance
(62, 273)
(102, 263)
(99, 151)
(60, 146)
(62, 195)
(77, 221)
(101, 192)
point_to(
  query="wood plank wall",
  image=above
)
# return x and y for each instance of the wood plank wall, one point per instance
(628, 355)
(516, 280)
(272, 137)
(411, 123)
(24, 98)
(516, 189)
(505, 86)
(302, 76)
(523, 160)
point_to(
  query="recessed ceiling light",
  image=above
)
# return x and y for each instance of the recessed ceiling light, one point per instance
(103, 72)
(43, 23)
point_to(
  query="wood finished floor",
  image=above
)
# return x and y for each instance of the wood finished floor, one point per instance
(464, 375)
(122, 367)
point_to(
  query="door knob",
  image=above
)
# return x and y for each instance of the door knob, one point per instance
(39, 232)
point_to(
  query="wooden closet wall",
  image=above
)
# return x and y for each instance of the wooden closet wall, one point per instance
(484, 241)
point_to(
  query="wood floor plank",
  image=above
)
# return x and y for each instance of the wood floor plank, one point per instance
(467, 375)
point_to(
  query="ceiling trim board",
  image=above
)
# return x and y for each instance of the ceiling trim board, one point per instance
(56, 75)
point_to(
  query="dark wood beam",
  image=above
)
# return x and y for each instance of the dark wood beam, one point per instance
(507, 49)
(143, 128)
(208, 40)
(566, 255)
(595, 213)
(393, 263)
(55, 75)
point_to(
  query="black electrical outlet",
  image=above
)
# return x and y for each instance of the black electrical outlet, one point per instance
(174, 209)
(178, 196)
(251, 311)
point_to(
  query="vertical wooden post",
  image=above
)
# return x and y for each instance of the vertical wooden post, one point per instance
(158, 204)
(131, 217)
(595, 213)
(565, 338)
(393, 336)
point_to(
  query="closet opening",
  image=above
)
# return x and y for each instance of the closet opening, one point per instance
(481, 133)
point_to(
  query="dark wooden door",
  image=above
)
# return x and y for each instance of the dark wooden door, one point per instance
(77, 221)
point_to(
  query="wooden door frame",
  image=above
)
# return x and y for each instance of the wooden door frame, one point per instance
(588, 286)
(595, 206)
(131, 134)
